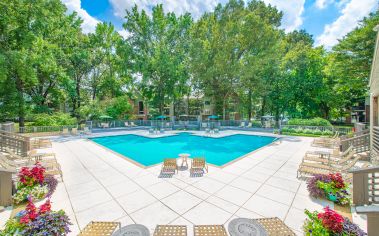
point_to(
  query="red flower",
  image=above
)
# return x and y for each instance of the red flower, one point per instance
(331, 220)
(46, 207)
(30, 176)
(337, 180)
(25, 219)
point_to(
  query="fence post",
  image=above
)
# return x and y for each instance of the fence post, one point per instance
(6, 187)
(360, 190)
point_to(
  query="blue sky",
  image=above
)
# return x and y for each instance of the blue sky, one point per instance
(326, 20)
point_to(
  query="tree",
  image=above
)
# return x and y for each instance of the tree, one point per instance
(157, 53)
(30, 34)
(350, 61)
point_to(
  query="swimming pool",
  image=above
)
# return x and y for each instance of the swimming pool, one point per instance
(217, 151)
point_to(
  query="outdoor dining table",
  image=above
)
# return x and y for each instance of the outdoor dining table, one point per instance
(184, 157)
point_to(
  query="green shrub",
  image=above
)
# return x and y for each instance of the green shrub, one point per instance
(55, 119)
(298, 130)
(310, 122)
(327, 132)
(285, 130)
(308, 131)
(317, 132)
(256, 123)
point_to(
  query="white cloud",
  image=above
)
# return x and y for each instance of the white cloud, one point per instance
(125, 34)
(321, 4)
(292, 10)
(89, 22)
(195, 7)
(352, 13)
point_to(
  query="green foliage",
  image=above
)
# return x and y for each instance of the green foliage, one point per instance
(327, 132)
(237, 55)
(55, 119)
(313, 225)
(310, 122)
(91, 111)
(317, 132)
(308, 131)
(12, 227)
(118, 108)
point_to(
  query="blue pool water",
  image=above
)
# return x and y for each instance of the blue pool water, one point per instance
(150, 151)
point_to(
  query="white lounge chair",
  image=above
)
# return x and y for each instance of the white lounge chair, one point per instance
(242, 124)
(74, 131)
(132, 124)
(126, 124)
(250, 125)
(65, 132)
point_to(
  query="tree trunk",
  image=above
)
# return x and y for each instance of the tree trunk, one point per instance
(263, 107)
(21, 102)
(249, 105)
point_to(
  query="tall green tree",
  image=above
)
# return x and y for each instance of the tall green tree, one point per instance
(158, 60)
(31, 34)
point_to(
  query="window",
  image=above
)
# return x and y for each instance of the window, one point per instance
(140, 107)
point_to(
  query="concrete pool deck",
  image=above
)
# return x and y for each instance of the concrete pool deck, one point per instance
(100, 185)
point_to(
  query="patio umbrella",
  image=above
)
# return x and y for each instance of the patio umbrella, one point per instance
(104, 117)
(210, 118)
(161, 117)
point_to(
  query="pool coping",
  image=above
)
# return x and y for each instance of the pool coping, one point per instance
(276, 140)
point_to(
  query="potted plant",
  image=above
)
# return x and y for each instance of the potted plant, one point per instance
(33, 182)
(331, 187)
(38, 221)
(330, 223)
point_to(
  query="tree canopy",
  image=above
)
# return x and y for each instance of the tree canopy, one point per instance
(237, 55)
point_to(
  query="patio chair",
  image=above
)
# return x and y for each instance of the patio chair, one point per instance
(242, 125)
(326, 141)
(52, 168)
(207, 131)
(170, 230)
(335, 160)
(104, 125)
(41, 143)
(249, 125)
(209, 230)
(44, 157)
(198, 163)
(132, 124)
(275, 226)
(74, 131)
(169, 165)
(318, 168)
(13, 164)
(217, 131)
(65, 132)
(100, 228)
(126, 124)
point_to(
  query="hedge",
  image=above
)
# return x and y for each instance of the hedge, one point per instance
(310, 122)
